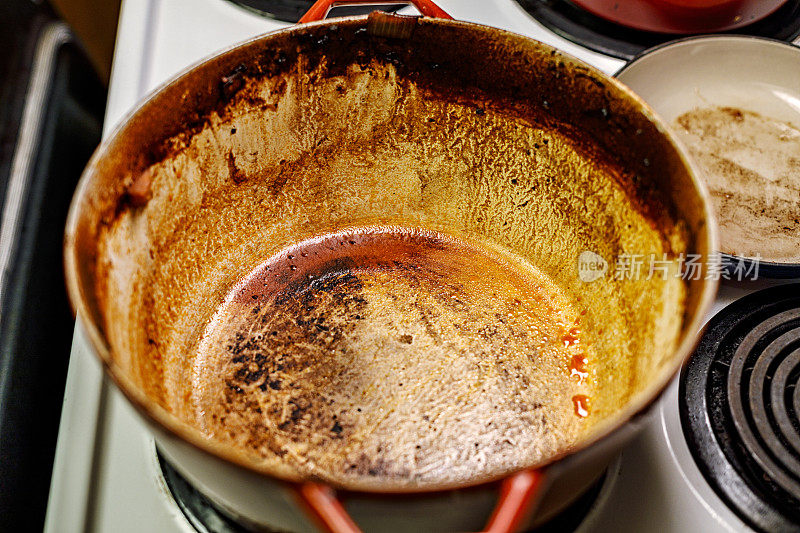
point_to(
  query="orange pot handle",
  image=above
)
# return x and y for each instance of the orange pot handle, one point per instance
(321, 7)
(519, 495)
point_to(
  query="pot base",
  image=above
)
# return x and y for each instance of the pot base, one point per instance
(389, 353)
(206, 517)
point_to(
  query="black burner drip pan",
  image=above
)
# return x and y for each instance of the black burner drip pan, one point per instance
(740, 407)
(206, 517)
(581, 27)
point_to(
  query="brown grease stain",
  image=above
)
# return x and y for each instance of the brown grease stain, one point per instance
(751, 166)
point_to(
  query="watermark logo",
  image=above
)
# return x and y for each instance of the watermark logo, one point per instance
(591, 266)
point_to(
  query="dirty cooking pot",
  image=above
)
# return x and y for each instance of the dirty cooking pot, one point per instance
(367, 267)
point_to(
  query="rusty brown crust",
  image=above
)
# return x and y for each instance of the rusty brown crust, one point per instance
(536, 89)
(478, 134)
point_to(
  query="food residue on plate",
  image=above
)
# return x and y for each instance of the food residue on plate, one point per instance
(751, 164)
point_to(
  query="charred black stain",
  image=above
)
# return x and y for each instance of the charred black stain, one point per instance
(234, 387)
(234, 172)
(268, 359)
(334, 277)
(735, 114)
(375, 466)
(231, 83)
(279, 367)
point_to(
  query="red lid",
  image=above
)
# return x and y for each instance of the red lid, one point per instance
(681, 16)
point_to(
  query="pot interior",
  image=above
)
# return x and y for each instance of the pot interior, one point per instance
(334, 254)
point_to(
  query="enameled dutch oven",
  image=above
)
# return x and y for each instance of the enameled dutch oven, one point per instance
(383, 121)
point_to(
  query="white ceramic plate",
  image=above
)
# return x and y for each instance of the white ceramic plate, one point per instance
(743, 72)
(750, 73)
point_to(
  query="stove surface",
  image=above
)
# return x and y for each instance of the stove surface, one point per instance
(745, 372)
(107, 475)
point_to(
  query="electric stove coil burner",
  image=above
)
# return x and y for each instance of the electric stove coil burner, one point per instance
(740, 407)
(201, 512)
(590, 31)
(206, 517)
(292, 10)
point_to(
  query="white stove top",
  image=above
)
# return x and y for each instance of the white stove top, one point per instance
(106, 476)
